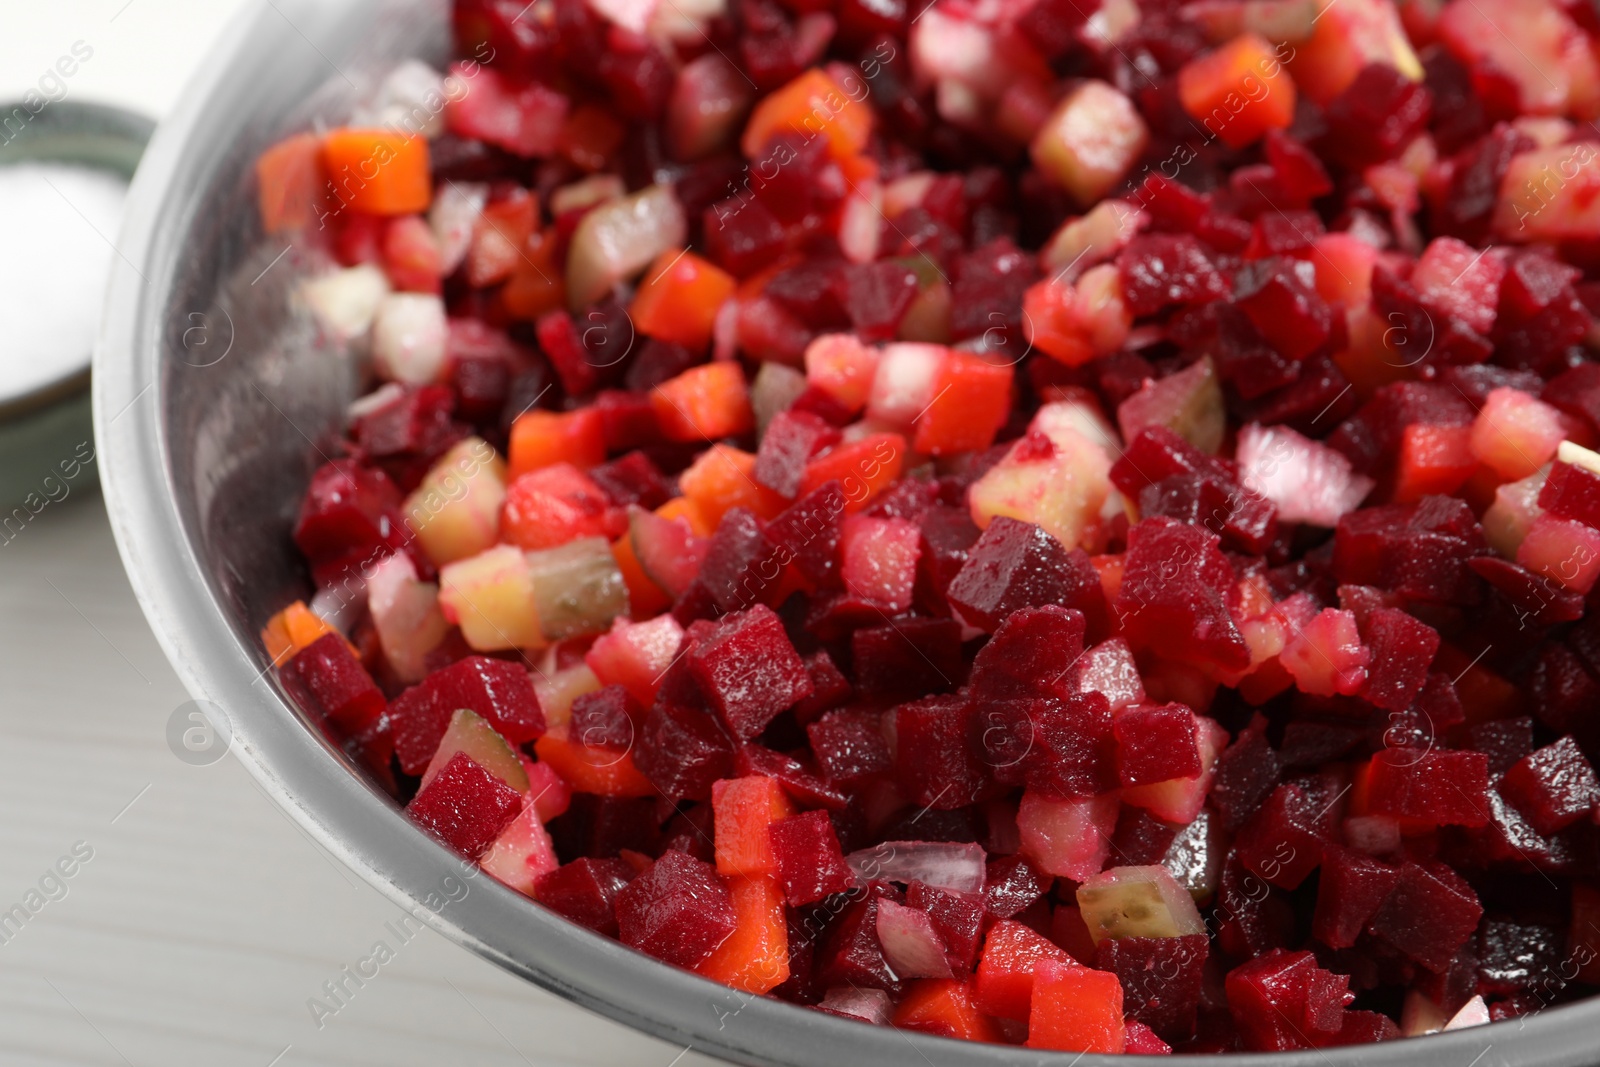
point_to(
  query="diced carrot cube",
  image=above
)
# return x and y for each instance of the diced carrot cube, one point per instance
(681, 507)
(720, 479)
(743, 808)
(755, 959)
(704, 403)
(378, 171)
(679, 299)
(1075, 1009)
(1005, 970)
(1239, 91)
(593, 768)
(538, 282)
(1433, 459)
(864, 468)
(944, 1006)
(292, 629)
(291, 183)
(809, 105)
(543, 438)
(972, 398)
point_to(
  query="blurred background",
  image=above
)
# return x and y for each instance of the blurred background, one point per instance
(155, 906)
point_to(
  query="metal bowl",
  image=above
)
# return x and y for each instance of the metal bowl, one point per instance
(211, 396)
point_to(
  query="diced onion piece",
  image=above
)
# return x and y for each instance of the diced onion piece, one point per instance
(775, 388)
(454, 216)
(522, 852)
(939, 865)
(1473, 1013)
(345, 301)
(405, 612)
(904, 382)
(619, 239)
(868, 1005)
(409, 336)
(411, 98)
(910, 943)
(1307, 481)
(586, 192)
(1137, 902)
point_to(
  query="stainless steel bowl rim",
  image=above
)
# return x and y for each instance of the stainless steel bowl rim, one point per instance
(362, 827)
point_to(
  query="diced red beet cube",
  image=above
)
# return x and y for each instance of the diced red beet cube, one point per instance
(1376, 115)
(802, 786)
(1553, 787)
(499, 691)
(1174, 595)
(935, 762)
(1349, 891)
(1156, 454)
(811, 865)
(1246, 772)
(1018, 565)
(829, 687)
(465, 806)
(1161, 979)
(632, 479)
(742, 235)
(849, 745)
(958, 918)
(347, 509)
(1429, 914)
(1011, 884)
(948, 534)
(850, 953)
(1030, 654)
(1503, 741)
(585, 891)
(1280, 842)
(1513, 955)
(678, 911)
(1283, 1000)
(876, 296)
(603, 718)
(909, 658)
(1572, 492)
(1060, 747)
(1252, 917)
(683, 750)
(1402, 648)
(1141, 839)
(791, 439)
(741, 565)
(1155, 744)
(807, 532)
(1431, 786)
(1159, 270)
(749, 670)
(340, 685)
(1280, 297)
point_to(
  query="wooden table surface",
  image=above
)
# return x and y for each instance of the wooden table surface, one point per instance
(203, 920)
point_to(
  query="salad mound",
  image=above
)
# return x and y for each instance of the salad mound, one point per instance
(1057, 522)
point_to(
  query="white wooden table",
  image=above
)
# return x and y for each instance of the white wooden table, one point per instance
(205, 919)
